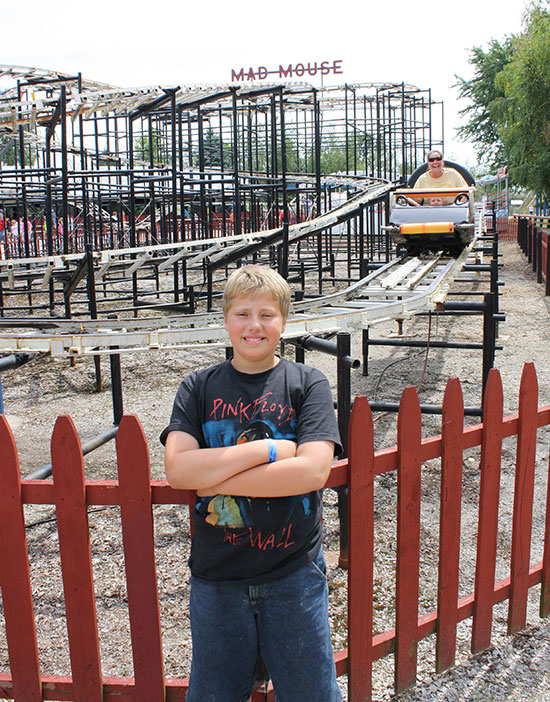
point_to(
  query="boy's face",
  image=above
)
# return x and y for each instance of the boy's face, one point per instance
(254, 325)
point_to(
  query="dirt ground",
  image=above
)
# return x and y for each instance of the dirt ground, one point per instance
(37, 393)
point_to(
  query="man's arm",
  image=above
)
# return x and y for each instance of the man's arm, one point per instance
(305, 472)
(193, 468)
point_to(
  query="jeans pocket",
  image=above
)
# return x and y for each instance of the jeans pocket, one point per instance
(319, 566)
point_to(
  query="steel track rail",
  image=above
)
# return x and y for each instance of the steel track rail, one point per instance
(399, 288)
(162, 256)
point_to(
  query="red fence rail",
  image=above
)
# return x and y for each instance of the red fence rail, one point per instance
(135, 494)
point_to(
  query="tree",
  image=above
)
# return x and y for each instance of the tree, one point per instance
(8, 147)
(523, 114)
(333, 152)
(212, 144)
(509, 114)
(142, 151)
(483, 94)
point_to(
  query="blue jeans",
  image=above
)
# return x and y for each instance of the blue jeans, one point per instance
(285, 620)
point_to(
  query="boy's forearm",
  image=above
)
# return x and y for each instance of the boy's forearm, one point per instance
(203, 468)
(199, 469)
(291, 476)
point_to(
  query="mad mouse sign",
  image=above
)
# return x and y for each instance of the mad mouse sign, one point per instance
(296, 70)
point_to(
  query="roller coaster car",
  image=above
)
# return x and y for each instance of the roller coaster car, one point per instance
(448, 226)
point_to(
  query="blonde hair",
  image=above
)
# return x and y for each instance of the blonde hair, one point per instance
(257, 280)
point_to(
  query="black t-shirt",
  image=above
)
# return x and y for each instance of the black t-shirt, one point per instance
(254, 539)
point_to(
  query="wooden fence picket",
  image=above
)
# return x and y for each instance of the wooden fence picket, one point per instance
(76, 562)
(408, 538)
(489, 492)
(360, 550)
(449, 532)
(523, 499)
(545, 577)
(139, 558)
(15, 576)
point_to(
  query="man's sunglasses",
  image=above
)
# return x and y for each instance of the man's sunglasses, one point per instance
(435, 158)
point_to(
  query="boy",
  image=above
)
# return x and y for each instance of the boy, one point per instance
(255, 437)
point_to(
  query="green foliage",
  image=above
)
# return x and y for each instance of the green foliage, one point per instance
(212, 144)
(142, 150)
(509, 114)
(333, 153)
(212, 150)
(524, 112)
(7, 150)
(8, 145)
(484, 95)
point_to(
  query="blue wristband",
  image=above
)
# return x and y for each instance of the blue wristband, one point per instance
(272, 451)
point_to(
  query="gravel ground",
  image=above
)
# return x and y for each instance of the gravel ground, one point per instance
(515, 668)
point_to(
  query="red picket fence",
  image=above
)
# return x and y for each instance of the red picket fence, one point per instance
(135, 493)
(406, 458)
(507, 228)
(533, 240)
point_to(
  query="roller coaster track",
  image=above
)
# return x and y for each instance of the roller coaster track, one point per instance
(218, 251)
(399, 288)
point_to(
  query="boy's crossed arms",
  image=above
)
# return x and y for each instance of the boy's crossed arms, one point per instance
(244, 469)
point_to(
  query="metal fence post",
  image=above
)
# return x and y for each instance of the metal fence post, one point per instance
(343, 343)
(116, 388)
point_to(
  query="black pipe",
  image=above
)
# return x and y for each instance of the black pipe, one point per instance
(343, 367)
(283, 262)
(46, 470)
(24, 221)
(343, 343)
(536, 250)
(15, 360)
(65, 183)
(424, 344)
(476, 267)
(116, 388)
(236, 184)
(299, 356)
(90, 286)
(315, 343)
(425, 409)
(489, 339)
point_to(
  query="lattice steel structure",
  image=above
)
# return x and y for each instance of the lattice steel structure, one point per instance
(89, 167)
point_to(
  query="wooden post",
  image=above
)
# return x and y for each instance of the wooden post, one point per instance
(360, 550)
(523, 499)
(408, 538)
(487, 530)
(452, 427)
(15, 576)
(76, 561)
(139, 558)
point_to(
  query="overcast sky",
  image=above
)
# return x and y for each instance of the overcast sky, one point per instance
(163, 42)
